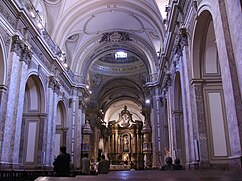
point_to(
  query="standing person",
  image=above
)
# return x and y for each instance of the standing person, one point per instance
(86, 164)
(62, 163)
(103, 166)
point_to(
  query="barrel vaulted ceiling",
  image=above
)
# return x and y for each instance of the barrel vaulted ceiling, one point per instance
(90, 32)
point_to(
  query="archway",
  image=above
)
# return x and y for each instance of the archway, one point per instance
(3, 71)
(124, 141)
(179, 146)
(60, 133)
(32, 127)
(212, 123)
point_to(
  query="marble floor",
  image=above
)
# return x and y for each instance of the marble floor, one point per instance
(154, 175)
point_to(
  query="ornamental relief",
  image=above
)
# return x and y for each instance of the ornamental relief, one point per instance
(96, 80)
(115, 37)
(6, 39)
(7, 15)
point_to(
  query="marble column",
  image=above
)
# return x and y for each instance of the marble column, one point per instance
(41, 158)
(50, 126)
(13, 103)
(147, 144)
(177, 134)
(80, 122)
(155, 124)
(3, 94)
(200, 117)
(164, 141)
(86, 138)
(20, 102)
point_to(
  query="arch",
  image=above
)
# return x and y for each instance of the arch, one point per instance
(33, 124)
(80, 12)
(209, 92)
(82, 8)
(178, 118)
(60, 133)
(138, 47)
(61, 114)
(198, 43)
(116, 107)
(3, 70)
(127, 90)
(34, 88)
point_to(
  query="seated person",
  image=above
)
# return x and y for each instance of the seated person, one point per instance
(177, 165)
(168, 165)
(103, 166)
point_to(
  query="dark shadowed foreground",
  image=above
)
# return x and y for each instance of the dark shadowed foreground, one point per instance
(155, 175)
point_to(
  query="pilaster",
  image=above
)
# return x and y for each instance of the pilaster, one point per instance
(13, 107)
(200, 117)
(49, 131)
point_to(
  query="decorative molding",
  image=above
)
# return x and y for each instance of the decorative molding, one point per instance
(3, 88)
(36, 50)
(6, 13)
(6, 38)
(21, 49)
(115, 37)
(40, 43)
(17, 45)
(42, 74)
(82, 104)
(65, 85)
(54, 84)
(96, 80)
(50, 43)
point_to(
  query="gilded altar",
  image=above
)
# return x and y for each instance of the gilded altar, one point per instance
(126, 140)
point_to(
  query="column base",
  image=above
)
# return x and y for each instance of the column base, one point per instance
(235, 163)
(192, 166)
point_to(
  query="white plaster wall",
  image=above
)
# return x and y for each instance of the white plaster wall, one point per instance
(57, 144)
(217, 124)
(227, 79)
(31, 141)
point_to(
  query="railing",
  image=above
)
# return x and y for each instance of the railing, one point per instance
(30, 175)
(23, 175)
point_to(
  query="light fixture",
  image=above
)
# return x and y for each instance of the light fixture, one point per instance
(65, 65)
(87, 86)
(90, 92)
(147, 101)
(120, 54)
(32, 14)
(39, 25)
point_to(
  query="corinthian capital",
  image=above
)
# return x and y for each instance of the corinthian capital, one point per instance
(21, 49)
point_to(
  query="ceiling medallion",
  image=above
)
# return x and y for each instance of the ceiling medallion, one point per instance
(115, 37)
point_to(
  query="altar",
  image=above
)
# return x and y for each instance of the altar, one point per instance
(125, 142)
(119, 167)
